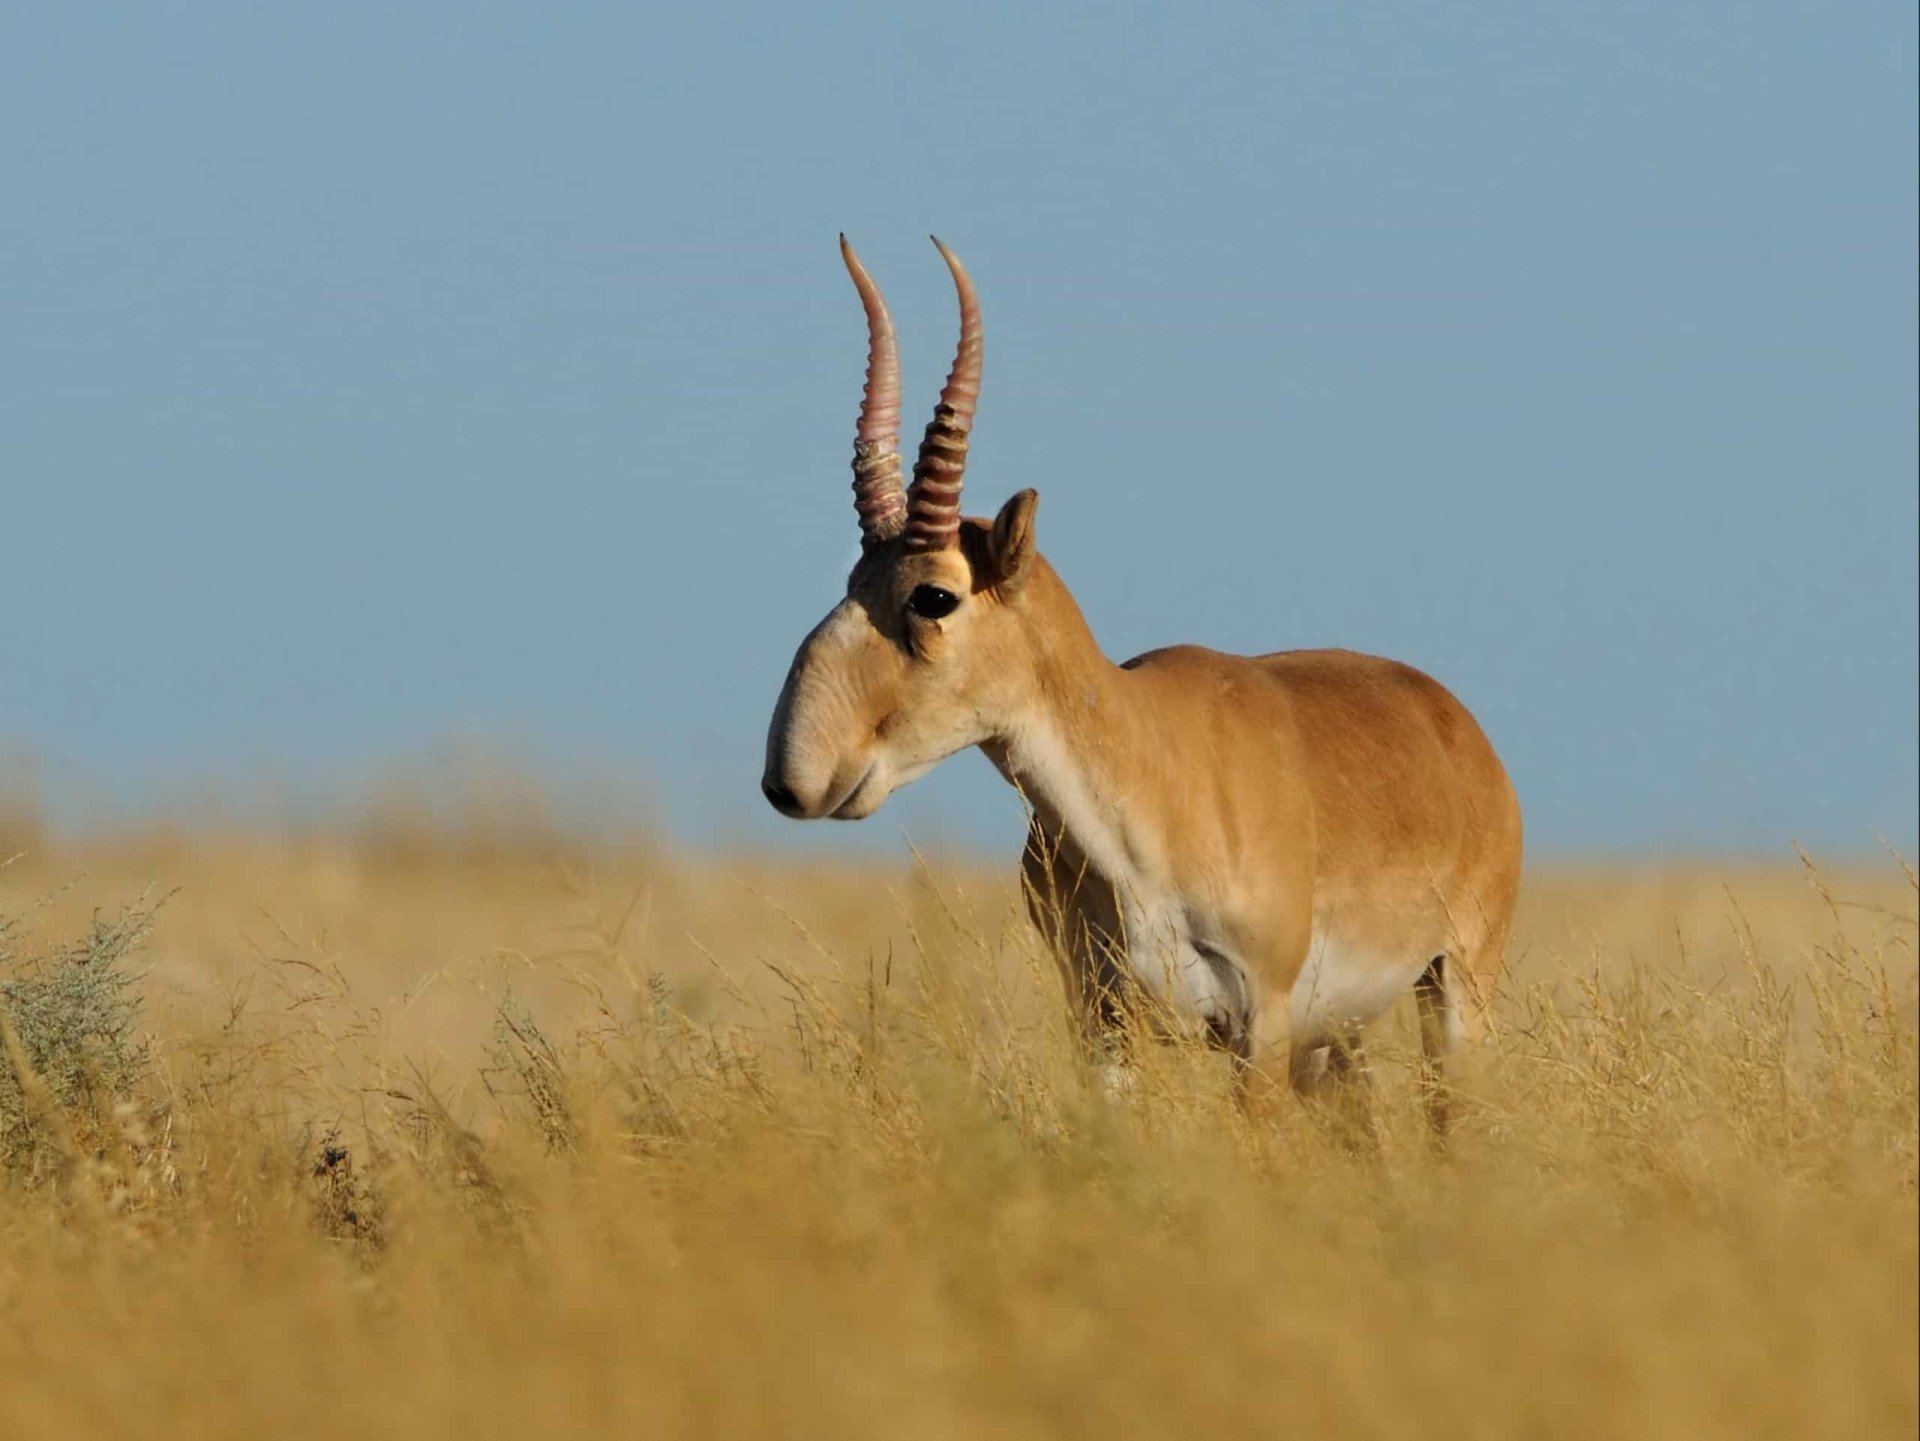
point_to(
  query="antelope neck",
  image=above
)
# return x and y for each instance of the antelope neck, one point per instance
(1065, 748)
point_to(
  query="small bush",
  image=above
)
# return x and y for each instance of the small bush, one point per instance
(75, 1066)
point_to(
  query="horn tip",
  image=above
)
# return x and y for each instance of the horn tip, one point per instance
(946, 254)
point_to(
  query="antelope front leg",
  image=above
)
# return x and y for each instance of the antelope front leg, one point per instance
(1101, 1031)
(1262, 1086)
(1075, 915)
(1336, 1084)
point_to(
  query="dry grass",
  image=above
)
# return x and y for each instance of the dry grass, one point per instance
(522, 1139)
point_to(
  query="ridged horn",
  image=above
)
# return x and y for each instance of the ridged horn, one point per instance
(878, 496)
(933, 502)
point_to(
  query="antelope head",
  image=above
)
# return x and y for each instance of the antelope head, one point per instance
(927, 654)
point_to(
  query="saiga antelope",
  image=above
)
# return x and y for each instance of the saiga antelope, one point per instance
(1274, 847)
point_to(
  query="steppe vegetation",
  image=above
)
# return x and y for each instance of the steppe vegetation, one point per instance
(421, 1131)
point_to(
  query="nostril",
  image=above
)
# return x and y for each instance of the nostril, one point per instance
(781, 799)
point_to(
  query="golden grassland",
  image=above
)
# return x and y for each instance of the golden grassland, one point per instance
(495, 1135)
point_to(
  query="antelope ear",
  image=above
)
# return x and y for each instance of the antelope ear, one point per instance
(1012, 544)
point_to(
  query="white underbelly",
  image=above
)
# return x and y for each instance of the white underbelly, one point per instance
(1340, 987)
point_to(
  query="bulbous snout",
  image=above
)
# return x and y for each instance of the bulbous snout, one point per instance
(807, 780)
(845, 792)
(781, 797)
(827, 755)
(781, 783)
(811, 769)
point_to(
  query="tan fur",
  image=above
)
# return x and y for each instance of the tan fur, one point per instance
(1273, 847)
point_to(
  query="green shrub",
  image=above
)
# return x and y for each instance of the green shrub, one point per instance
(73, 1064)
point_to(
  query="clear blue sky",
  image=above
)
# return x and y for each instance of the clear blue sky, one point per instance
(370, 375)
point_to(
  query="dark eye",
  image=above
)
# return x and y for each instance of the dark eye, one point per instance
(932, 603)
